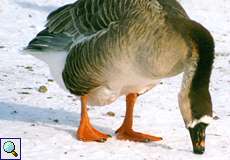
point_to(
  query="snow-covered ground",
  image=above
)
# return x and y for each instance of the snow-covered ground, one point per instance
(47, 122)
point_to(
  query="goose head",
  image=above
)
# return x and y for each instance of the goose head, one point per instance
(197, 135)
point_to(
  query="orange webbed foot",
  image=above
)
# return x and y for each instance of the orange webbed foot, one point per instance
(125, 132)
(129, 134)
(87, 133)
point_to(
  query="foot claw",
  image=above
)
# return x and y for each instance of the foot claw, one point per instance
(146, 140)
(102, 140)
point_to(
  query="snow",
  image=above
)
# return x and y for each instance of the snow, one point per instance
(47, 122)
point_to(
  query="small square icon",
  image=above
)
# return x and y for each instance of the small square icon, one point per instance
(10, 148)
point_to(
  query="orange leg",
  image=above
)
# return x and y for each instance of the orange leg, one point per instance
(125, 132)
(85, 131)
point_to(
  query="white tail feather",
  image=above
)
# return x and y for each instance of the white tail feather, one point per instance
(56, 63)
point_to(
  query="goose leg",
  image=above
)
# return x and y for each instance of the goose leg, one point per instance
(125, 132)
(85, 131)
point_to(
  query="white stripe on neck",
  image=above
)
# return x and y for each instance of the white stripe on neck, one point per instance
(205, 119)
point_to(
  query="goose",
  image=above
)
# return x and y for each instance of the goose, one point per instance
(99, 50)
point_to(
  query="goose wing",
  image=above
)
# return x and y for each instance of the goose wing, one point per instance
(76, 21)
(86, 16)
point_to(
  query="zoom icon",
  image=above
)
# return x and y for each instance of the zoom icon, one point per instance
(10, 148)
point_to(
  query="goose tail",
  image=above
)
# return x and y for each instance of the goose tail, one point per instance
(49, 41)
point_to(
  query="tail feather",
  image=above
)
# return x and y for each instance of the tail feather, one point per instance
(59, 31)
(46, 40)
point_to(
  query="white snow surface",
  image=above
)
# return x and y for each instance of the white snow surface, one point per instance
(47, 122)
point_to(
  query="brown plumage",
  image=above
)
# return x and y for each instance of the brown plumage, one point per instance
(124, 47)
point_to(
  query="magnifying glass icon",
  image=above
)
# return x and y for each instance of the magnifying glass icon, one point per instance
(9, 147)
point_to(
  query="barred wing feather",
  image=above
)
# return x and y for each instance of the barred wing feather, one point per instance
(86, 16)
(74, 21)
